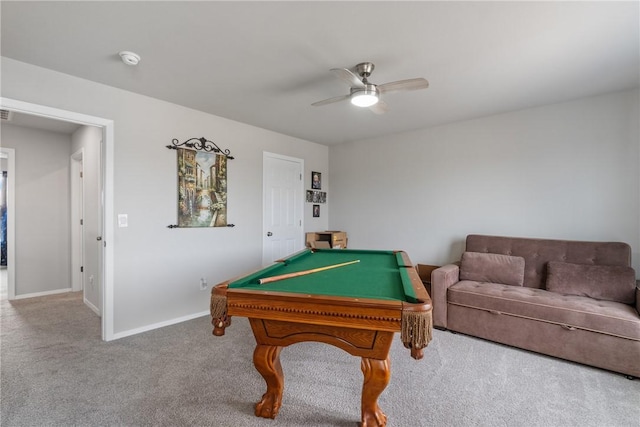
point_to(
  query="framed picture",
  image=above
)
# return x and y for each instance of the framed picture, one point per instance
(316, 211)
(316, 196)
(202, 189)
(316, 180)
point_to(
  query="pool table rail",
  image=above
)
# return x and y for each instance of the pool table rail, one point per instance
(332, 311)
(315, 309)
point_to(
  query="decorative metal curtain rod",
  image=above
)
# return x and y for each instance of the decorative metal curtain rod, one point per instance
(201, 144)
(177, 226)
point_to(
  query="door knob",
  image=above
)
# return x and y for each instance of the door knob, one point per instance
(269, 234)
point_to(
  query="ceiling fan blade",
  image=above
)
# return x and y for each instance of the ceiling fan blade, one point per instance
(410, 84)
(348, 77)
(379, 107)
(331, 100)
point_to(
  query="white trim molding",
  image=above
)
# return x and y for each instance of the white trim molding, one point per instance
(159, 325)
(44, 294)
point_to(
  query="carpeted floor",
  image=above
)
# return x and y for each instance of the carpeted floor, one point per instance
(57, 372)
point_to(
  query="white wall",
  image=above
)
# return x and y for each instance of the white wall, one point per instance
(158, 270)
(566, 171)
(42, 203)
(88, 139)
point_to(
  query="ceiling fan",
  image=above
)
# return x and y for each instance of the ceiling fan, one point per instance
(365, 94)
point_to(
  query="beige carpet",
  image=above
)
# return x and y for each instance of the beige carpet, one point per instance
(57, 372)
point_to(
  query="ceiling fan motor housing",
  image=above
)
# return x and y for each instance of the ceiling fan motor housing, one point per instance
(368, 89)
(364, 69)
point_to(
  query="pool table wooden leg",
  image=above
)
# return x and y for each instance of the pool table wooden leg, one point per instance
(266, 359)
(376, 377)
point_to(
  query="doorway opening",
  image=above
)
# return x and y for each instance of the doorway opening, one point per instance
(7, 203)
(105, 256)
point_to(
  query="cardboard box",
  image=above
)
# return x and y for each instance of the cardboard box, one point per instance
(327, 239)
(319, 244)
(424, 271)
(338, 239)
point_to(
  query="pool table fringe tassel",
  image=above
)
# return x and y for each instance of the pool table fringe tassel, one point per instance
(218, 306)
(417, 328)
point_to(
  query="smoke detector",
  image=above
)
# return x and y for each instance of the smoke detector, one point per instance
(129, 58)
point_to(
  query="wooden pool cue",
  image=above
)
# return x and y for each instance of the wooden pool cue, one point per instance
(303, 272)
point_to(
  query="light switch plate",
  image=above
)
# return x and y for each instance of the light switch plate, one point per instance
(123, 221)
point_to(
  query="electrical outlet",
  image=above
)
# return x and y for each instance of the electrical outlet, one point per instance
(91, 280)
(203, 284)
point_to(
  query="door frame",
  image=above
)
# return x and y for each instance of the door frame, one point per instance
(107, 208)
(10, 155)
(265, 155)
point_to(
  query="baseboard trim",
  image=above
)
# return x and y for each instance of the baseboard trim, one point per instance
(43, 294)
(159, 325)
(92, 307)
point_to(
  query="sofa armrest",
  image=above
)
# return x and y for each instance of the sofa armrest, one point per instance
(441, 279)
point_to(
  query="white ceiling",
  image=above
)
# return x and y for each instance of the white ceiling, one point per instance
(42, 123)
(264, 63)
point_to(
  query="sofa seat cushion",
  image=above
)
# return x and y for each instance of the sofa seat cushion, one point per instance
(571, 311)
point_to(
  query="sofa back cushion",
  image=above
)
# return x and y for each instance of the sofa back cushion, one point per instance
(538, 252)
(603, 282)
(494, 268)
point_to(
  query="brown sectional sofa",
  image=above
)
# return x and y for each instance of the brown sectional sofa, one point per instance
(573, 300)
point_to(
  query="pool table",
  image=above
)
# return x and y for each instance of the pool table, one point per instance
(357, 305)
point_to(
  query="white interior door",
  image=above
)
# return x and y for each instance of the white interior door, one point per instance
(92, 215)
(283, 206)
(77, 222)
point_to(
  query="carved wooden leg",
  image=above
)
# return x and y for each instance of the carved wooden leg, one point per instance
(376, 377)
(266, 359)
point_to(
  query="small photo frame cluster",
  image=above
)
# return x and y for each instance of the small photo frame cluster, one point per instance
(314, 195)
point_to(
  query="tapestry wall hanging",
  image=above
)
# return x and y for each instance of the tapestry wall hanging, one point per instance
(202, 184)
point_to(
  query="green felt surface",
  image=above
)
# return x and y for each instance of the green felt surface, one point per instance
(378, 275)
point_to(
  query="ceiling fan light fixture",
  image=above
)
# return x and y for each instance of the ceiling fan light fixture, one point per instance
(365, 97)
